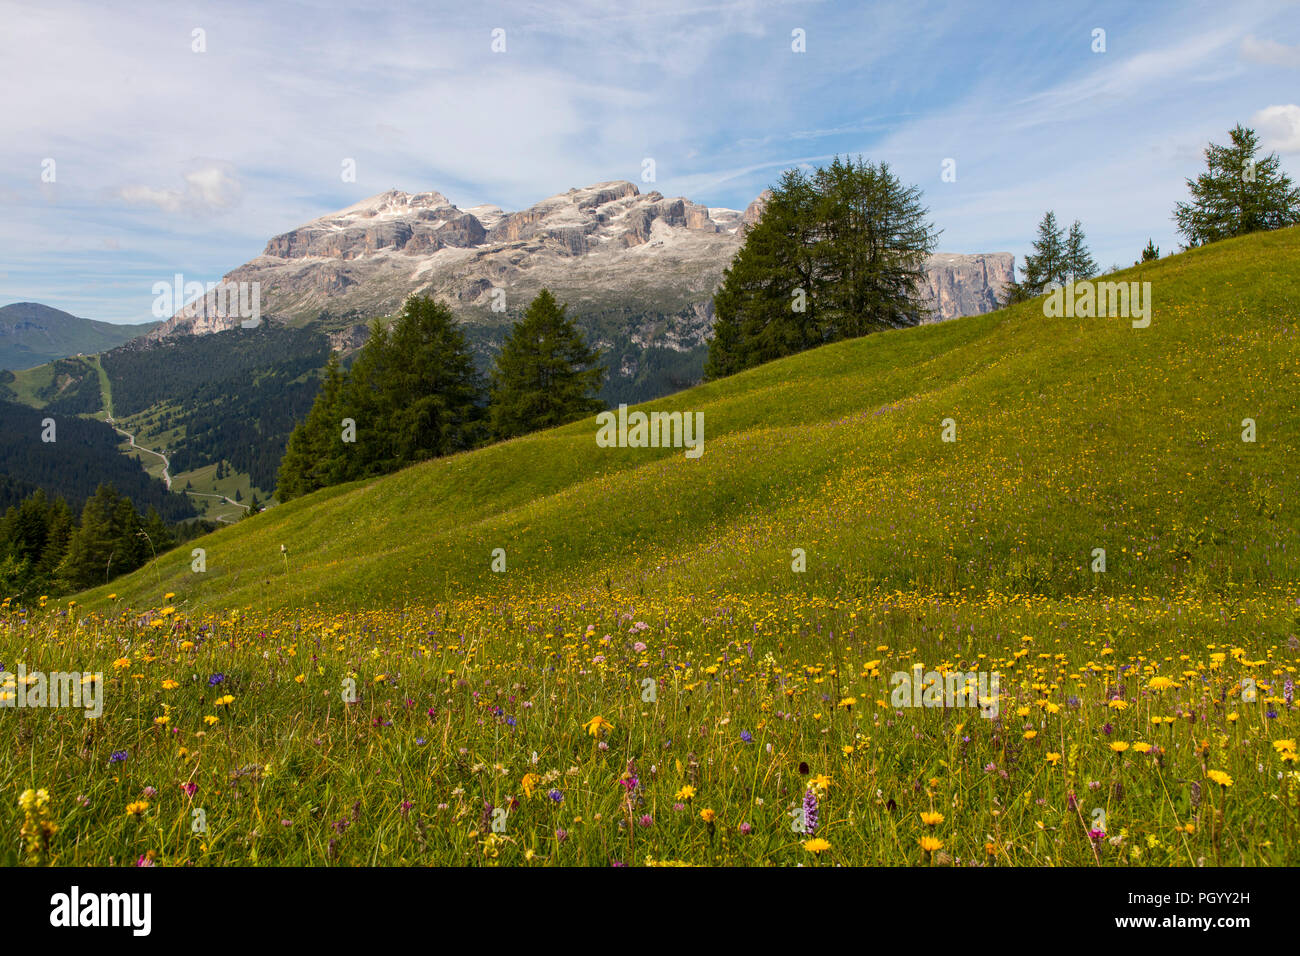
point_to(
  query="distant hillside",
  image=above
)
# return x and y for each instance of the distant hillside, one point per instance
(32, 334)
(234, 396)
(83, 456)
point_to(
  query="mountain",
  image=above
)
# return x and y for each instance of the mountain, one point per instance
(32, 334)
(1072, 434)
(637, 270)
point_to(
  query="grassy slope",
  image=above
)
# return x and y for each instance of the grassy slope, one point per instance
(1072, 434)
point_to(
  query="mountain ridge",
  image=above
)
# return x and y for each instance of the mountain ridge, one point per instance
(32, 334)
(604, 248)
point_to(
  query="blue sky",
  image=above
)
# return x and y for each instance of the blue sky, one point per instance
(169, 160)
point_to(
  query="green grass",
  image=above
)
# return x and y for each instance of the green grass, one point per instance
(657, 592)
(29, 381)
(105, 386)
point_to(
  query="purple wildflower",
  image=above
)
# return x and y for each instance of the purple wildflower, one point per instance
(810, 812)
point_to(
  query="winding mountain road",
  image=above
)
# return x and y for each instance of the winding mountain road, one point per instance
(166, 473)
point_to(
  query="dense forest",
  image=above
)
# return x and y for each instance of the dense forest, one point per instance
(46, 550)
(235, 395)
(83, 456)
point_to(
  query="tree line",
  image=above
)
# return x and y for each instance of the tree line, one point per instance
(413, 393)
(46, 550)
(1239, 193)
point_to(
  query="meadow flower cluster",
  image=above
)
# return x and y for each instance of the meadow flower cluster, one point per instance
(1132, 733)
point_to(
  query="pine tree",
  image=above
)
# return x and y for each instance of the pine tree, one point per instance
(873, 242)
(545, 375)
(1047, 263)
(61, 527)
(1151, 252)
(94, 548)
(314, 456)
(430, 397)
(159, 535)
(1079, 264)
(1237, 194)
(767, 305)
(412, 394)
(131, 549)
(835, 255)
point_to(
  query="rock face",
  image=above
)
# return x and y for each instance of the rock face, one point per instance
(350, 338)
(967, 285)
(637, 269)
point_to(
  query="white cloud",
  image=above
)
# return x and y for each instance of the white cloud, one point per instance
(1269, 52)
(209, 186)
(1279, 127)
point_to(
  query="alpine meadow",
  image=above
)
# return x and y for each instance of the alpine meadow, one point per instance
(627, 529)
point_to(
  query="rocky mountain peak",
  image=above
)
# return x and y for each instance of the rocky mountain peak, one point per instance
(606, 249)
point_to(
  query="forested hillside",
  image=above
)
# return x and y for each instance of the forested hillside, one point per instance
(235, 395)
(82, 457)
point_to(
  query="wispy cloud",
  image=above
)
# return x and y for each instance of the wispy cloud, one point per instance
(208, 186)
(1270, 52)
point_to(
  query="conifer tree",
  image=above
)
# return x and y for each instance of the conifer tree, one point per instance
(1079, 264)
(1237, 194)
(545, 375)
(1047, 263)
(412, 393)
(837, 253)
(95, 551)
